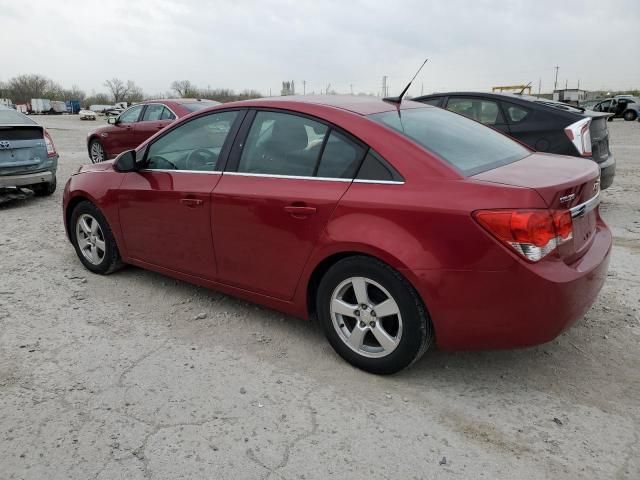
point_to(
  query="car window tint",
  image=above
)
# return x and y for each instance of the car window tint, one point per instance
(282, 144)
(374, 167)
(515, 113)
(166, 114)
(131, 115)
(483, 111)
(340, 157)
(195, 145)
(432, 101)
(469, 146)
(152, 112)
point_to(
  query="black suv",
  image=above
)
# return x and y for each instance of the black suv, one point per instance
(544, 125)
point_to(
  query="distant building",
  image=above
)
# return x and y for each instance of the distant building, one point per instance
(570, 95)
(288, 88)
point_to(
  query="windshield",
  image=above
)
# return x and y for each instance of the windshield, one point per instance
(466, 144)
(195, 106)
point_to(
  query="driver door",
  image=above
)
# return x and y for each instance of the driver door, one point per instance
(121, 135)
(165, 208)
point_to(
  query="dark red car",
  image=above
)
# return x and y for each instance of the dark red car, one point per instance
(137, 123)
(397, 227)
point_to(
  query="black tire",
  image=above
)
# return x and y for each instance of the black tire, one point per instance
(93, 145)
(630, 115)
(417, 332)
(111, 260)
(44, 189)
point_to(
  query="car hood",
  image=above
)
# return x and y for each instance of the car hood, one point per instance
(97, 167)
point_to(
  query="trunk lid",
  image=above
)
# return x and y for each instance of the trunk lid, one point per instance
(22, 148)
(564, 183)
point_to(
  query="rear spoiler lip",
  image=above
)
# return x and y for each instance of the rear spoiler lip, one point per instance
(6, 126)
(592, 114)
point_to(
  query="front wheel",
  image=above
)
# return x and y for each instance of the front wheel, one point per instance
(96, 152)
(93, 239)
(371, 315)
(630, 115)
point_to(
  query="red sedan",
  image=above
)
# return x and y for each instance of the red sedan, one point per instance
(397, 227)
(137, 123)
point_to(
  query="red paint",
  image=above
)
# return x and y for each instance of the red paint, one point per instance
(262, 238)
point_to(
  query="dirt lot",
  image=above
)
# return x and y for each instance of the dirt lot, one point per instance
(119, 377)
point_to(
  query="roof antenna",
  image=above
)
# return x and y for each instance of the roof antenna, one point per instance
(524, 88)
(398, 99)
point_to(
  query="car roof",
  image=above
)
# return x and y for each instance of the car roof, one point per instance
(359, 104)
(9, 116)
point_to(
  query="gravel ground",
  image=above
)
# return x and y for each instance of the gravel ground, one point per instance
(121, 377)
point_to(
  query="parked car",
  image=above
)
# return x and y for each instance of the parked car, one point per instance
(136, 124)
(87, 114)
(397, 226)
(626, 107)
(544, 125)
(28, 157)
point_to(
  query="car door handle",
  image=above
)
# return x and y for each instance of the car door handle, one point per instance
(191, 202)
(299, 211)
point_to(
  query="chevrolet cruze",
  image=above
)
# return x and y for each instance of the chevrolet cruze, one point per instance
(397, 226)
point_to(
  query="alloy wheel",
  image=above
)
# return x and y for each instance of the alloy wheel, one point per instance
(97, 153)
(90, 239)
(366, 317)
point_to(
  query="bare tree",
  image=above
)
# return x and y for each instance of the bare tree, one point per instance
(117, 88)
(184, 88)
(134, 93)
(23, 88)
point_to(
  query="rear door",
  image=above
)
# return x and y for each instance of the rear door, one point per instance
(483, 110)
(154, 118)
(285, 177)
(165, 209)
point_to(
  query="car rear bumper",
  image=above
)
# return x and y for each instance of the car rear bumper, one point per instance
(526, 305)
(607, 171)
(26, 179)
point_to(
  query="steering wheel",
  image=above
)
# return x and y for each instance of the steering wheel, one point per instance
(199, 158)
(158, 162)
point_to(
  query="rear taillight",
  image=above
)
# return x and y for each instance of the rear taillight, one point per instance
(534, 234)
(580, 136)
(51, 148)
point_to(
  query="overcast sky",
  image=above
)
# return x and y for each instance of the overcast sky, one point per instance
(257, 44)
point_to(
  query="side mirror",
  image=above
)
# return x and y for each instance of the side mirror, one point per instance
(126, 162)
(112, 120)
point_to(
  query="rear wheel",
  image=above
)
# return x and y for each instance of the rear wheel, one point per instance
(44, 189)
(630, 115)
(96, 151)
(93, 239)
(372, 316)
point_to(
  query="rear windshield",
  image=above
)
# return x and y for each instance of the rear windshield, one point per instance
(195, 106)
(12, 117)
(466, 144)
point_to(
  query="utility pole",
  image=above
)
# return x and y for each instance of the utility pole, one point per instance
(351, 87)
(539, 85)
(384, 85)
(578, 84)
(555, 84)
(566, 84)
(304, 87)
(422, 89)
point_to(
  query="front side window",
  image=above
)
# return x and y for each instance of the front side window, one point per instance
(483, 111)
(468, 146)
(195, 145)
(131, 115)
(282, 144)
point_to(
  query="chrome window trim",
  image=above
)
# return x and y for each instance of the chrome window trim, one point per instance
(171, 170)
(381, 182)
(586, 207)
(292, 177)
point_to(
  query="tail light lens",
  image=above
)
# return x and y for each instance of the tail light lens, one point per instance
(534, 234)
(580, 136)
(51, 148)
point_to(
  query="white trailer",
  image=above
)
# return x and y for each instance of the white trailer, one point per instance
(40, 105)
(58, 107)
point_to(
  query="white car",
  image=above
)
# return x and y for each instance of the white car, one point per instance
(87, 115)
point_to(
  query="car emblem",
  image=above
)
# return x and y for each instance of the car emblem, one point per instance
(4, 145)
(567, 198)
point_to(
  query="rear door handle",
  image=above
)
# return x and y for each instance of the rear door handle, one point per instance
(299, 210)
(191, 202)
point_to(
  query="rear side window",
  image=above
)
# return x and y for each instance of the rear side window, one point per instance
(467, 145)
(340, 157)
(282, 144)
(432, 101)
(375, 168)
(483, 111)
(167, 115)
(515, 113)
(152, 112)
